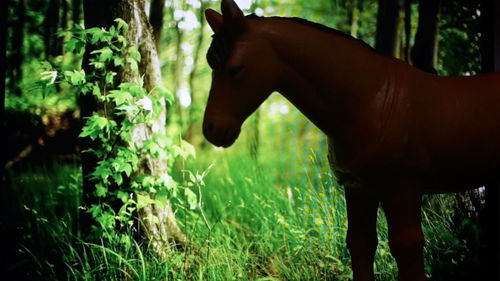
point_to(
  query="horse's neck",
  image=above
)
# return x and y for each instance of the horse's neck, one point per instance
(327, 76)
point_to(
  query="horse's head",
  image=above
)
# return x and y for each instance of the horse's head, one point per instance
(244, 73)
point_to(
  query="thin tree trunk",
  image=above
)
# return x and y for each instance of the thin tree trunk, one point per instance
(3, 60)
(389, 23)
(15, 62)
(177, 69)
(102, 13)
(192, 110)
(424, 53)
(156, 19)
(51, 22)
(76, 12)
(354, 16)
(407, 28)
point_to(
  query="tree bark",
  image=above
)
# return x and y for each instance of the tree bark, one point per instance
(102, 13)
(424, 53)
(389, 23)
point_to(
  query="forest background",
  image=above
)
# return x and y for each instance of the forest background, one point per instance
(107, 176)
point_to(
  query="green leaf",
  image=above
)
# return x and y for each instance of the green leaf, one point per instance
(143, 201)
(185, 149)
(96, 90)
(102, 171)
(101, 190)
(49, 77)
(74, 45)
(122, 195)
(101, 122)
(133, 64)
(121, 24)
(98, 65)
(110, 78)
(191, 198)
(118, 178)
(118, 61)
(120, 97)
(75, 77)
(134, 53)
(95, 210)
(104, 54)
(97, 35)
(165, 93)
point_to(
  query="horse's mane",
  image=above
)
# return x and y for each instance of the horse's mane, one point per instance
(222, 44)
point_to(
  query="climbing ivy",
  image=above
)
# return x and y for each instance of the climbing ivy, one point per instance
(125, 107)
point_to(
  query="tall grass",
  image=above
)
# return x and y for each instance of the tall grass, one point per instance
(259, 226)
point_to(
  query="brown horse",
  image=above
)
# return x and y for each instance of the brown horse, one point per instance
(395, 132)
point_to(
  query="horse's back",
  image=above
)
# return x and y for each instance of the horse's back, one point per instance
(456, 129)
(450, 140)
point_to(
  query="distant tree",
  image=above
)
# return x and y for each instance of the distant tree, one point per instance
(354, 6)
(197, 54)
(389, 27)
(76, 11)
(424, 53)
(3, 59)
(16, 20)
(405, 50)
(156, 11)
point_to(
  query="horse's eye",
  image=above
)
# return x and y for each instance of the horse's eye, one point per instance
(234, 70)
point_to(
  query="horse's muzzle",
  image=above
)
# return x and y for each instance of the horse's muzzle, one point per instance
(222, 134)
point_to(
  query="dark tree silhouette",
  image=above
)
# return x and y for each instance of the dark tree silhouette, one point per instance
(490, 220)
(424, 52)
(389, 23)
(156, 12)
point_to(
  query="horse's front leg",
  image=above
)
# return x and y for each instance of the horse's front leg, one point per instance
(362, 205)
(402, 206)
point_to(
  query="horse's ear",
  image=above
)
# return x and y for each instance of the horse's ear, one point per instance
(214, 19)
(234, 19)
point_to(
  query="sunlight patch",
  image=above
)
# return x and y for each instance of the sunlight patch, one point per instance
(184, 97)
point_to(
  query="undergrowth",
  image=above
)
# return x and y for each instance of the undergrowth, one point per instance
(254, 226)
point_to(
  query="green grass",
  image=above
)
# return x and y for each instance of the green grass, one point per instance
(261, 226)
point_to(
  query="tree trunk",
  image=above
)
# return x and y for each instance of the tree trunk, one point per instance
(3, 61)
(354, 7)
(193, 108)
(50, 23)
(389, 24)
(407, 27)
(424, 53)
(490, 217)
(76, 12)
(156, 19)
(102, 13)
(15, 61)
